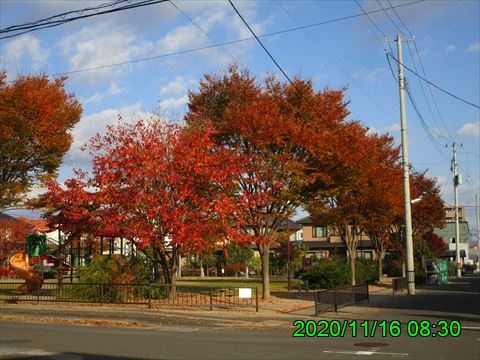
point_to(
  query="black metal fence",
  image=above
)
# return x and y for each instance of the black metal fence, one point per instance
(149, 294)
(399, 284)
(332, 299)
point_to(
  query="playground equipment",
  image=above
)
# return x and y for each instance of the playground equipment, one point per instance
(20, 264)
(37, 253)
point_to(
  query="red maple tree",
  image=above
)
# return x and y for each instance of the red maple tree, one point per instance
(164, 186)
(13, 233)
(276, 125)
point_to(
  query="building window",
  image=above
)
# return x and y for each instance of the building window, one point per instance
(365, 255)
(318, 232)
(322, 254)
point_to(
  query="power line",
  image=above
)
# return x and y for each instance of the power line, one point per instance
(320, 115)
(388, 16)
(203, 31)
(49, 22)
(152, 57)
(434, 85)
(261, 44)
(62, 16)
(337, 63)
(223, 43)
(423, 72)
(432, 139)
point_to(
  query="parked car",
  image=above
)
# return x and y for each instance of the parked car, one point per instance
(468, 269)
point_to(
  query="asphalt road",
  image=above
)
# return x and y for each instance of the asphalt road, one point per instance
(163, 334)
(20, 340)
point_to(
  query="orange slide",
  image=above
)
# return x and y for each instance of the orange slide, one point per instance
(19, 265)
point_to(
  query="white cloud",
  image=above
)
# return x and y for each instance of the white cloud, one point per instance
(393, 128)
(180, 38)
(174, 87)
(173, 103)
(370, 75)
(430, 48)
(98, 46)
(96, 98)
(449, 48)
(97, 123)
(372, 131)
(213, 23)
(21, 49)
(474, 48)
(470, 129)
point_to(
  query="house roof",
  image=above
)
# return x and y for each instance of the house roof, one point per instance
(307, 220)
(38, 224)
(5, 217)
(289, 225)
(33, 225)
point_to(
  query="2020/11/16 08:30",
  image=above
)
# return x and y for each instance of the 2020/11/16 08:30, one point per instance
(370, 328)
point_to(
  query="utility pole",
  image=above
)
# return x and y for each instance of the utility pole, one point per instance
(456, 182)
(406, 174)
(289, 258)
(477, 215)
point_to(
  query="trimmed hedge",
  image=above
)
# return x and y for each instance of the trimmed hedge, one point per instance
(328, 274)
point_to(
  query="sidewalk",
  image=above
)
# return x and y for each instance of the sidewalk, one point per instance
(458, 300)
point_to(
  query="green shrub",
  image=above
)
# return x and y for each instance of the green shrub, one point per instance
(101, 270)
(327, 274)
(104, 271)
(365, 271)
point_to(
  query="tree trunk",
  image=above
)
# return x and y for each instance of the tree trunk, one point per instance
(264, 250)
(380, 266)
(352, 267)
(166, 274)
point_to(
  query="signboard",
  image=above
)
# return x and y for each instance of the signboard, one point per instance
(244, 293)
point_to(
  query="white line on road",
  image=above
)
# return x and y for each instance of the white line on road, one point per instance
(363, 352)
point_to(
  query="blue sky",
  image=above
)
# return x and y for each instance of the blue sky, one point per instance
(145, 60)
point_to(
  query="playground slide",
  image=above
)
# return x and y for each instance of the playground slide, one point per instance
(19, 264)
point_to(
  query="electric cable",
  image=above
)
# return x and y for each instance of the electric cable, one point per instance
(434, 85)
(424, 74)
(50, 24)
(261, 44)
(337, 63)
(203, 31)
(62, 16)
(432, 139)
(227, 42)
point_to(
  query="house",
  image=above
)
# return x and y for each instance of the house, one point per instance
(448, 233)
(320, 243)
(39, 226)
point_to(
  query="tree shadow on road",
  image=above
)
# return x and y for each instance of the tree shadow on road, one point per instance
(461, 296)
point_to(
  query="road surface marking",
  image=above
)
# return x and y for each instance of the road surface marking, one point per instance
(363, 352)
